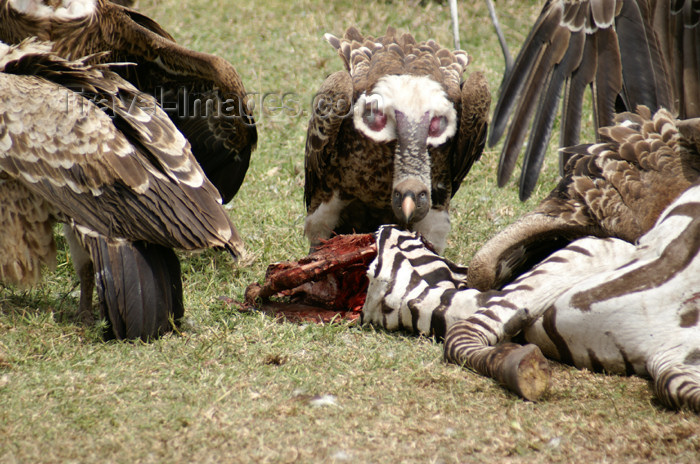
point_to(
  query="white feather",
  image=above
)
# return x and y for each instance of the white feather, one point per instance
(69, 9)
(411, 95)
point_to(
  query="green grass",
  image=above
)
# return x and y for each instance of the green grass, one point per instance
(239, 387)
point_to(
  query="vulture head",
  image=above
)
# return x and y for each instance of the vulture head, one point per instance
(414, 112)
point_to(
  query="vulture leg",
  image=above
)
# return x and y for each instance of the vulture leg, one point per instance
(85, 270)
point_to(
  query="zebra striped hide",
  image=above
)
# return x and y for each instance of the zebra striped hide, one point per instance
(599, 303)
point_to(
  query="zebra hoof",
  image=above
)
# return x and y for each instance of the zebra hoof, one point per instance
(526, 372)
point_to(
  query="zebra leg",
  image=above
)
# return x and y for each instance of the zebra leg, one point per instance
(676, 376)
(479, 342)
(522, 369)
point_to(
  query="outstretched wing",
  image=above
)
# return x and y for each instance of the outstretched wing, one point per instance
(113, 163)
(625, 50)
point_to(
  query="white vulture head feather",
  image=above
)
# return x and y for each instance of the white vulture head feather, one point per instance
(59, 9)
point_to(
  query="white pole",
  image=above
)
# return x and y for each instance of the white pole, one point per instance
(455, 23)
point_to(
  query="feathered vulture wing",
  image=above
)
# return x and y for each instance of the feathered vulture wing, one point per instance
(473, 125)
(611, 189)
(113, 164)
(26, 241)
(331, 106)
(630, 52)
(367, 59)
(203, 94)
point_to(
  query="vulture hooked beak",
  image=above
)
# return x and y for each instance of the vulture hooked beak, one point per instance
(410, 199)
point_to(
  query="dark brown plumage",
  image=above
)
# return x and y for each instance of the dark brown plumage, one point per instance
(629, 52)
(116, 171)
(610, 189)
(392, 136)
(203, 94)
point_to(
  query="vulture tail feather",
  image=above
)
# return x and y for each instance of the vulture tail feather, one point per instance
(572, 106)
(549, 57)
(642, 72)
(139, 287)
(608, 80)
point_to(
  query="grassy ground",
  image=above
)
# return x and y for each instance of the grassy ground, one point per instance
(237, 387)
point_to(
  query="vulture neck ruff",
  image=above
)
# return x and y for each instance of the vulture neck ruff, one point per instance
(57, 9)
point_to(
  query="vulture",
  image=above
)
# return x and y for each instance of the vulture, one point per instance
(203, 94)
(82, 146)
(629, 52)
(391, 137)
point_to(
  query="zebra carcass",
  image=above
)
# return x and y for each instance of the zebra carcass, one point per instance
(620, 292)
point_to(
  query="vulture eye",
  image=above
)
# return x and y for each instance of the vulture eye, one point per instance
(437, 126)
(374, 118)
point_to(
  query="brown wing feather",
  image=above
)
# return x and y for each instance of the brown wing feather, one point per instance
(630, 63)
(141, 183)
(26, 241)
(546, 112)
(16, 26)
(607, 84)
(545, 56)
(614, 189)
(690, 129)
(644, 75)
(331, 106)
(690, 101)
(143, 292)
(572, 104)
(180, 78)
(473, 123)
(144, 20)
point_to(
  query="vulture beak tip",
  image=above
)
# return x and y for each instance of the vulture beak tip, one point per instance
(408, 207)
